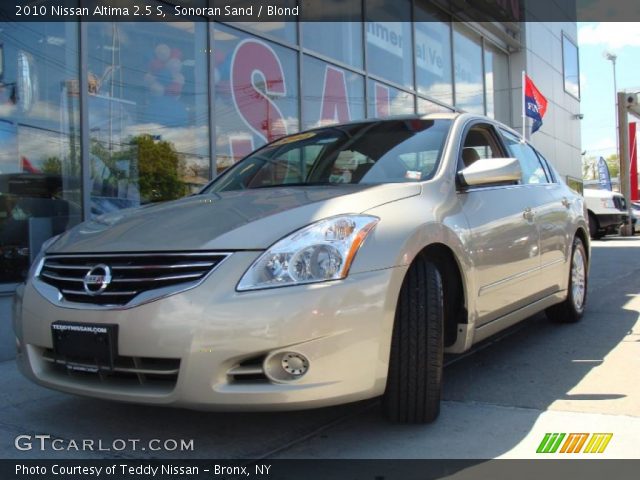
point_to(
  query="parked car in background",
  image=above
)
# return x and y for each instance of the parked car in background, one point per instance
(635, 212)
(329, 266)
(32, 209)
(607, 212)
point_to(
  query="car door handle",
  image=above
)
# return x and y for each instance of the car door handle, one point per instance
(566, 203)
(528, 214)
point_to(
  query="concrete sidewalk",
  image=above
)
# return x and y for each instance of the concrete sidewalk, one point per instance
(499, 401)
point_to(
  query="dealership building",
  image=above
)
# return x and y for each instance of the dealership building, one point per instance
(101, 116)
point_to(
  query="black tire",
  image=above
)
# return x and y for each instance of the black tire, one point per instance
(594, 227)
(568, 311)
(414, 382)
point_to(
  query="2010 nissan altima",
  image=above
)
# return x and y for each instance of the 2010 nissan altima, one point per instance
(329, 266)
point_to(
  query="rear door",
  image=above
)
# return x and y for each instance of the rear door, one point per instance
(552, 211)
(504, 236)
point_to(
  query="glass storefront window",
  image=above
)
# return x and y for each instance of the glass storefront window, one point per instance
(40, 186)
(286, 31)
(389, 45)
(425, 107)
(386, 101)
(330, 94)
(148, 102)
(148, 112)
(496, 79)
(339, 40)
(433, 54)
(467, 61)
(256, 98)
(571, 66)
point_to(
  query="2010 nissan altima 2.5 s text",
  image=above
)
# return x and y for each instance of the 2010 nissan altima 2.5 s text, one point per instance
(329, 266)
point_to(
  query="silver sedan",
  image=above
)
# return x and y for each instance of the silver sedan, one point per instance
(329, 266)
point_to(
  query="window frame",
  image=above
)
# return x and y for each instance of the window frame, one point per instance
(472, 36)
(503, 131)
(499, 143)
(564, 72)
(546, 166)
(494, 140)
(370, 122)
(422, 11)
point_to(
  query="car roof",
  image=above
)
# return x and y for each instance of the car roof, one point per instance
(395, 118)
(430, 116)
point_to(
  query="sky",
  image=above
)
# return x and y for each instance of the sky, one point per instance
(596, 80)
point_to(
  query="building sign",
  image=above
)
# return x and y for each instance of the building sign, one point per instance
(386, 35)
(465, 70)
(257, 80)
(335, 104)
(256, 76)
(429, 54)
(258, 88)
(383, 100)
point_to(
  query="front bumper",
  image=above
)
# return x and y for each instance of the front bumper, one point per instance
(611, 221)
(343, 328)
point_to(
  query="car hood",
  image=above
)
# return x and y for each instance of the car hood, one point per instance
(235, 220)
(593, 193)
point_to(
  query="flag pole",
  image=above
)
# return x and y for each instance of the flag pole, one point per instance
(524, 122)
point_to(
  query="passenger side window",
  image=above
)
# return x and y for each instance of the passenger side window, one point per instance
(532, 170)
(479, 143)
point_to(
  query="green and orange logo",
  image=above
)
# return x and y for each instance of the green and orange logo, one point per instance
(574, 443)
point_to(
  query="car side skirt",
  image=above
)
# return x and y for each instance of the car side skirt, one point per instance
(468, 337)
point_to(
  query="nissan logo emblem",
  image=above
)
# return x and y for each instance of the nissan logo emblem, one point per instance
(97, 279)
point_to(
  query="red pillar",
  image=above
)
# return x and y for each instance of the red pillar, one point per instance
(633, 156)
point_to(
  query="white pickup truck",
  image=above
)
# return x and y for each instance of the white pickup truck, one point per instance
(607, 211)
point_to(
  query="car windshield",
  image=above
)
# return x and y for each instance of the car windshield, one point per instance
(390, 151)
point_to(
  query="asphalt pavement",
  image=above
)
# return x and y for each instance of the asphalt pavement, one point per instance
(499, 401)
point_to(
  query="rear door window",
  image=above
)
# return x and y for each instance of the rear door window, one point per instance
(532, 169)
(547, 168)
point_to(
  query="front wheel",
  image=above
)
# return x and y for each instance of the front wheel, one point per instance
(572, 309)
(414, 382)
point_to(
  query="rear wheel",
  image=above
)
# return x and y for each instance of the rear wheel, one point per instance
(572, 308)
(414, 382)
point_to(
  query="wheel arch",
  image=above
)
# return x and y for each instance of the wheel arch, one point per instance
(454, 287)
(584, 237)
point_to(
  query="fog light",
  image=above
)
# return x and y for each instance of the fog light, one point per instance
(295, 364)
(286, 366)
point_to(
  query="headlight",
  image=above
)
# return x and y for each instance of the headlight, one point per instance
(607, 203)
(319, 252)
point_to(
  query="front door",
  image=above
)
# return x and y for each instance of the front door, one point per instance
(504, 236)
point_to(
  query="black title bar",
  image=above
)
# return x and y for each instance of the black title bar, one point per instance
(127, 469)
(316, 10)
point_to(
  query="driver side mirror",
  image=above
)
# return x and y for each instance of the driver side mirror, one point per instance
(491, 171)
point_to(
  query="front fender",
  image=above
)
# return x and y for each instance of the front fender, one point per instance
(409, 226)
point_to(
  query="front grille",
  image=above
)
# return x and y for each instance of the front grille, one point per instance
(131, 274)
(159, 374)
